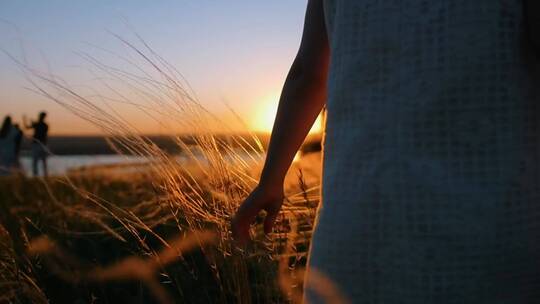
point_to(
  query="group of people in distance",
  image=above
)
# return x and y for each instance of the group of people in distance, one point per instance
(11, 138)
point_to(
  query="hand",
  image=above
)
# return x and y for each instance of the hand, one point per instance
(265, 198)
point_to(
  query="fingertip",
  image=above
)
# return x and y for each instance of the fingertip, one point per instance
(268, 225)
(269, 222)
(238, 236)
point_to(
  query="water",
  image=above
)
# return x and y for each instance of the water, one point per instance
(60, 164)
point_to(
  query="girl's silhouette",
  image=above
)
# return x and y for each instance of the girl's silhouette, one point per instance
(431, 168)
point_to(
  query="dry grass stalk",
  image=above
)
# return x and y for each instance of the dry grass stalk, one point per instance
(197, 197)
(131, 268)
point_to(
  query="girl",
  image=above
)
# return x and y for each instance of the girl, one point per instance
(431, 164)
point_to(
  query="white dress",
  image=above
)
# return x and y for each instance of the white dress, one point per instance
(431, 164)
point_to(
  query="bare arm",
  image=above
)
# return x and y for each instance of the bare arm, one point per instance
(302, 98)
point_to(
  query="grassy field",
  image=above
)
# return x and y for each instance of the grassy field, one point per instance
(143, 237)
(160, 233)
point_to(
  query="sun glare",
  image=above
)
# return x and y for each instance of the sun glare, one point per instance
(263, 119)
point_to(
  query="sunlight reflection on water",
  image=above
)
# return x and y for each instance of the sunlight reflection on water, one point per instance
(61, 164)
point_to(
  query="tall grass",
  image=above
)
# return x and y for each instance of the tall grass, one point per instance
(195, 202)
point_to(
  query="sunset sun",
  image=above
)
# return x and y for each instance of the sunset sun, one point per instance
(263, 118)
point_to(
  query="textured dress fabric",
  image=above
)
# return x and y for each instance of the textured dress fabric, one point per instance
(431, 160)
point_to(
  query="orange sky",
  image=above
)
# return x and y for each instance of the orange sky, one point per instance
(231, 53)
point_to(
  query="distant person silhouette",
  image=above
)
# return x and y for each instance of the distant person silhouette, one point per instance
(18, 142)
(7, 147)
(39, 142)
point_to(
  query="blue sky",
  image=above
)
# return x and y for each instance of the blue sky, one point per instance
(238, 51)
